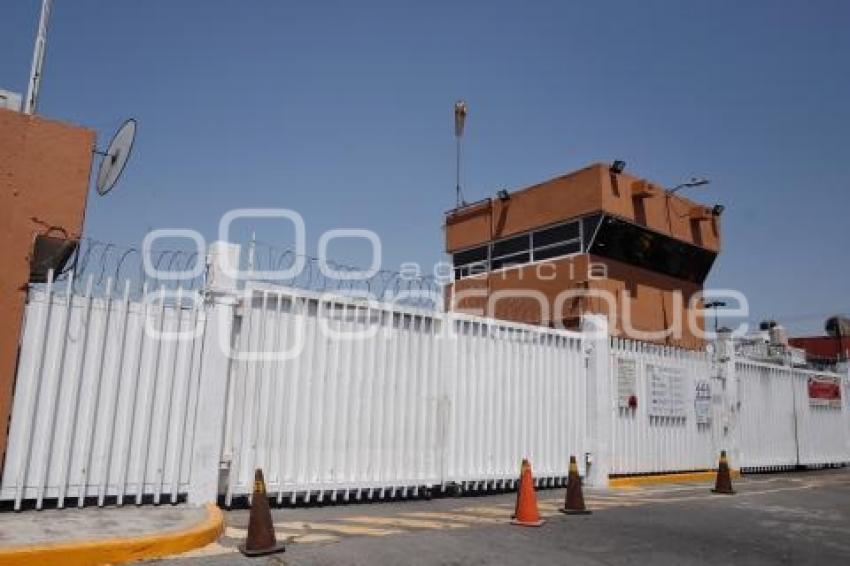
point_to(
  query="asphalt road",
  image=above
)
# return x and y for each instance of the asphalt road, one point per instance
(794, 518)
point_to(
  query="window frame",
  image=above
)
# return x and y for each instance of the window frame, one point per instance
(487, 263)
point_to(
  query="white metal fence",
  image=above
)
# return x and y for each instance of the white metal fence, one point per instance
(336, 397)
(513, 392)
(102, 409)
(388, 401)
(651, 438)
(779, 427)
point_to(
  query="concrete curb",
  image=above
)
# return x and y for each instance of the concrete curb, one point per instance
(636, 481)
(116, 550)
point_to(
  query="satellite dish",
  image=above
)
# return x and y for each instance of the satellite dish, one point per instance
(115, 157)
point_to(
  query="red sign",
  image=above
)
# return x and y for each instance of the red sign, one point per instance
(825, 392)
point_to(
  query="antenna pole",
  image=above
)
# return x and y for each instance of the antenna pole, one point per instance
(457, 175)
(252, 247)
(38, 57)
(460, 121)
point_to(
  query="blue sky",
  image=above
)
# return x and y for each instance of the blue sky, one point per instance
(342, 111)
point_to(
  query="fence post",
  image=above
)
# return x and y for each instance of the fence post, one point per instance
(724, 359)
(844, 369)
(221, 302)
(599, 399)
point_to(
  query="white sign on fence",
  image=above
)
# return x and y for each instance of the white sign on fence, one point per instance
(702, 402)
(666, 391)
(626, 381)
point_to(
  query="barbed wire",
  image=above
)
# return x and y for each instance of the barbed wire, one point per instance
(107, 266)
(321, 276)
(101, 268)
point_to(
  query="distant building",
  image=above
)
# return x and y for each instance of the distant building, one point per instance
(829, 350)
(770, 344)
(593, 241)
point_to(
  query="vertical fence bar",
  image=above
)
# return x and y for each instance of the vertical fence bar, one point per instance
(32, 403)
(71, 424)
(117, 372)
(91, 415)
(129, 421)
(144, 446)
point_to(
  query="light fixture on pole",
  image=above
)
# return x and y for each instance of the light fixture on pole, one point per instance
(694, 182)
(460, 121)
(715, 305)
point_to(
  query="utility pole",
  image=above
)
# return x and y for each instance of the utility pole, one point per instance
(460, 121)
(38, 58)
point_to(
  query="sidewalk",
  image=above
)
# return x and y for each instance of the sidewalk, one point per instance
(74, 536)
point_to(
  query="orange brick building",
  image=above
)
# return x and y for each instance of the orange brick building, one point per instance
(592, 241)
(44, 179)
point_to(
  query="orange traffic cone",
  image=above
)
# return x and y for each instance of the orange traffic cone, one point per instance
(260, 540)
(574, 502)
(526, 513)
(723, 484)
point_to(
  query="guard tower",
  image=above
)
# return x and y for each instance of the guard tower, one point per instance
(597, 240)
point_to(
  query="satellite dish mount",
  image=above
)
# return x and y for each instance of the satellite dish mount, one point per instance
(115, 157)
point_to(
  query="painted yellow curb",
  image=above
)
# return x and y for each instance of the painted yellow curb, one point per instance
(636, 481)
(116, 550)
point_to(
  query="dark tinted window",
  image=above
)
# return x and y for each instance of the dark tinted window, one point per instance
(556, 234)
(626, 242)
(588, 226)
(555, 251)
(470, 256)
(511, 246)
(508, 261)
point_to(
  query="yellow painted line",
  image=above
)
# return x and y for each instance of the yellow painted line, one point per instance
(117, 550)
(547, 510)
(505, 510)
(631, 482)
(604, 501)
(212, 549)
(491, 511)
(337, 528)
(714, 497)
(457, 517)
(590, 504)
(401, 522)
(312, 537)
(283, 536)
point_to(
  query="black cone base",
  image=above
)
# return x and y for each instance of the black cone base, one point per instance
(262, 552)
(575, 511)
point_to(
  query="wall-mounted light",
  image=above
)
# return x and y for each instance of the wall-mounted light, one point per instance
(717, 209)
(503, 195)
(618, 166)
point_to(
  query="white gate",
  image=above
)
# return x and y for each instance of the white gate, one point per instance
(778, 426)
(104, 399)
(648, 438)
(375, 400)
